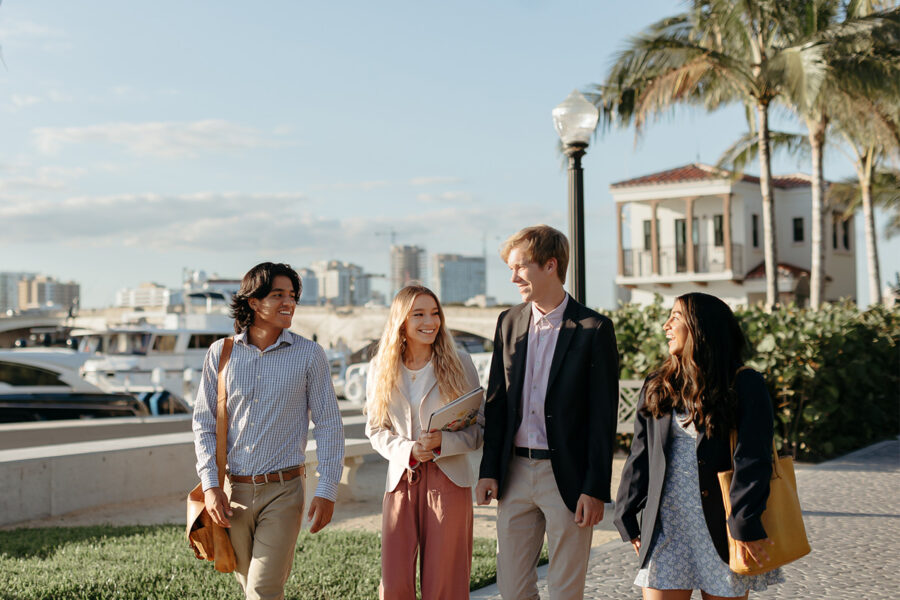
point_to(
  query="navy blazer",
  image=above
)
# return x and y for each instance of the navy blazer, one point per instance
(579, 408)
(640, 488)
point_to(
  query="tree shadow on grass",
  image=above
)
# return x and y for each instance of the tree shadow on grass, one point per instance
(44, 542)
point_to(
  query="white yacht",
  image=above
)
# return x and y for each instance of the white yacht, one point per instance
(140, 356)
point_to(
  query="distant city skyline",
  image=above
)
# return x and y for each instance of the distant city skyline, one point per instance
(140, 141)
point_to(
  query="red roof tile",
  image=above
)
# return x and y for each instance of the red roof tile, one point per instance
(701, 172)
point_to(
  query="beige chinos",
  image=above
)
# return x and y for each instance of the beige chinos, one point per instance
(264, 530)
(530, 505)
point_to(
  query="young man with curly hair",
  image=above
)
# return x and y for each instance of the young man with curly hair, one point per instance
(276, 382)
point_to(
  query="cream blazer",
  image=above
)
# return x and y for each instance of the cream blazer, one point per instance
(395, 443)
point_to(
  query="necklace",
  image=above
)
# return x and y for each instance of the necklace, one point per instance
(414, 373)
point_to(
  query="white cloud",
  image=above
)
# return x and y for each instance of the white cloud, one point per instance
(433, 180)
(221, 221)
(160, 139)
(22, 101)
(57, 96)
(237, 222)
(19, 31)
(444, 197)
(359, 185)
(25, 178)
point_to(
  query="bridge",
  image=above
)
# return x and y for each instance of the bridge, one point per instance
(351, 327)
(355, 327)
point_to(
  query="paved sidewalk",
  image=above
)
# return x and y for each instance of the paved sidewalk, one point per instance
(852, 516)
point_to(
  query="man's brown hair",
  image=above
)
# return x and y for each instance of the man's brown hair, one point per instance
(539, 244)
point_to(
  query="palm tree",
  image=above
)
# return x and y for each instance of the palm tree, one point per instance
(861, 52)
(719, 52)
(872, 131)
(873, 135)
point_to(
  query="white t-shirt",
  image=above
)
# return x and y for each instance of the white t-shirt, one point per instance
(415, 387)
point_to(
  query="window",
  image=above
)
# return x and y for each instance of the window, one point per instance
(17, 374)
(846, 233)
(798, 229)
(718, 231)
(647, 234)
(164, 343)
(755, 231)
(204, 340)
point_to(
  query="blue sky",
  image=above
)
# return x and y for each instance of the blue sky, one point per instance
(141, 138)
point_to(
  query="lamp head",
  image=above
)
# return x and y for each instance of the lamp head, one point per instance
(575, 119)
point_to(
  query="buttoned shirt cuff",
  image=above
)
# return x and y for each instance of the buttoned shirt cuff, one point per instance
(209, 480)
(327, 490)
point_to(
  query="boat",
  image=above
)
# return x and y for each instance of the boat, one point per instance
(44, 384)
(142, 356)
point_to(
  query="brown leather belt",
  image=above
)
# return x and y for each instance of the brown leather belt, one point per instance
(276, 476)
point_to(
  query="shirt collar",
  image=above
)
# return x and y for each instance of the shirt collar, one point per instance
(284, 337)
(554, 317)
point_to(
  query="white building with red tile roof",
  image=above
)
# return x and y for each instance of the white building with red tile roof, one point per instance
(698, 228)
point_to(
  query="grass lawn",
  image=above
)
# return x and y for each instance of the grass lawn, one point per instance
(155, 563)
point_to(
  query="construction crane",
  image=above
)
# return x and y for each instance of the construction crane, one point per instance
(392, 233)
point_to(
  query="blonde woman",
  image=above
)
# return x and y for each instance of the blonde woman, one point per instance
(427, 504)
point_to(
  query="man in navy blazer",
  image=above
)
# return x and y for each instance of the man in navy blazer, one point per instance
(550, 422)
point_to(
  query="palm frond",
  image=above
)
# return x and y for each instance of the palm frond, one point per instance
(745, 149)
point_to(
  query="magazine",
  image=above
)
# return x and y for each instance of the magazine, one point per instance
(458, 414)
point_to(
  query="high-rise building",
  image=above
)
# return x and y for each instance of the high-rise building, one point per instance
(310, 284)
(341, 283)
(407, 267)
(458, 278)
(9, 289)
(45, 292)
(145, 295)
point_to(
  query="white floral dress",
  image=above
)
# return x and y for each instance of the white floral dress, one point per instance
(682, 554)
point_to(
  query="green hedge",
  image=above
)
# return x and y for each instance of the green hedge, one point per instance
(833, 374)
(155, 563)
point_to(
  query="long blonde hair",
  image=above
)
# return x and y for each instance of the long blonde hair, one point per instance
(448, 370)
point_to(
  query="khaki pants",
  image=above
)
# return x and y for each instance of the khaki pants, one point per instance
(531, 505)
(264, 530)
(426, 510)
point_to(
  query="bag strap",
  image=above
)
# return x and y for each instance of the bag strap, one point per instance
(776, 468)
(222, 410)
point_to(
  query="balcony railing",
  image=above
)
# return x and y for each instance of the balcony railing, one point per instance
(673, 260)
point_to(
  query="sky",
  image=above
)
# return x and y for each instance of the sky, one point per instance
(139, 139)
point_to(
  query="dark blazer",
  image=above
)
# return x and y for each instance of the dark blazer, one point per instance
(643, 475)
(579, 408)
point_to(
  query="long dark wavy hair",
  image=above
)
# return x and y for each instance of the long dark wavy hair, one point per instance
(700, 381)
(257, 283)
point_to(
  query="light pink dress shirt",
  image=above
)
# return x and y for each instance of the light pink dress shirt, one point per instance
(543, 331)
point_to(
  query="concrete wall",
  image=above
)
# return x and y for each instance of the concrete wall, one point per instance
(47, 481)
(45, 433)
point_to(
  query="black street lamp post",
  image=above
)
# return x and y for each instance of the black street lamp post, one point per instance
(575, 120)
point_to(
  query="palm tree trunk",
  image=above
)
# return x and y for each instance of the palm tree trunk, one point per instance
(770, 250)
(816, 128)
(865, 184)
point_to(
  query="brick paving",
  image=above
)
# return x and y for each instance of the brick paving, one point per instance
(852, 516)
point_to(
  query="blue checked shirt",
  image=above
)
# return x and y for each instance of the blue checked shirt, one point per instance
(272, 393)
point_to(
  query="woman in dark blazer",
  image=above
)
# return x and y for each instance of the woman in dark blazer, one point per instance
(684, 418)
